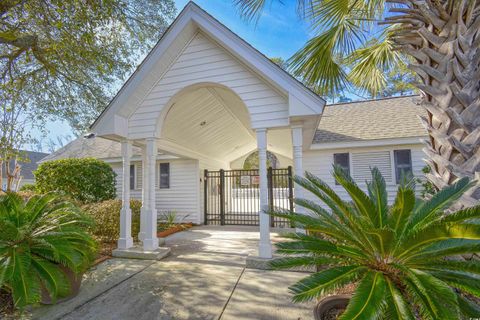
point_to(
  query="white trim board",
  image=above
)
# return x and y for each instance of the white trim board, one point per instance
(367, 143)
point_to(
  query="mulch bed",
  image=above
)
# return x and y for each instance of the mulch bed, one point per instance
(174, 229)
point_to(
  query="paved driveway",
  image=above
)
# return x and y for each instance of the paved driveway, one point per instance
(203, 278)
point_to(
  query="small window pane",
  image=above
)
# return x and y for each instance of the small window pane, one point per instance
(342, 160)
(403, 165)
(132, 176)
(164, 175)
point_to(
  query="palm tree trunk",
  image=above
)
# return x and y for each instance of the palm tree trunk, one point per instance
(443, 37)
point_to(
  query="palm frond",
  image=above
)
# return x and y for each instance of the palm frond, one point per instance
(325, 281)
(369, 298)
(369, 63)
(397, 307)
(377, 191)
(303, 261)
(434, 297)
(441, 200)
(437, 233)
(468, 308)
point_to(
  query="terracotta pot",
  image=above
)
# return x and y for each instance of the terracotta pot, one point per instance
(75, 280)
(331, 302)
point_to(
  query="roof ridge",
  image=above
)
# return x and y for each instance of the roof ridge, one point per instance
(372, 100)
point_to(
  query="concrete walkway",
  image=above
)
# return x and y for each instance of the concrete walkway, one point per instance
(203, 278)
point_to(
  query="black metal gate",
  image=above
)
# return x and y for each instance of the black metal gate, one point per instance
(232, 197)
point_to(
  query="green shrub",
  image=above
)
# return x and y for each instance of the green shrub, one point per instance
(106, 215)
(38, 239)
(402, 257)
(28, 187)
(85, 180)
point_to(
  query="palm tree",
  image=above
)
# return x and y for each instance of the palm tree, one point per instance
(440, 42)
(397, 256)
(36, 238)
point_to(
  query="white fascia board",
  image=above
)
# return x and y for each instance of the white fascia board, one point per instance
(298, 108)
(116, 126)
(255, 60)
(139, 158)
(143, 69)
(367, 143)
(231, 42)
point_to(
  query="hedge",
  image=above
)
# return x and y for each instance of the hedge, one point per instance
(85, 180)
(107, 219)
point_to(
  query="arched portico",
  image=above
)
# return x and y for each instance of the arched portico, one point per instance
(203, 94)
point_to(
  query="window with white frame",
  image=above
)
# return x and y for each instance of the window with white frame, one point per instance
(164, 175)
(343, 161)
(132, 177)
(403, 165)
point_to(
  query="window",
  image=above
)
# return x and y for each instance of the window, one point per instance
(164, 175)
(363, 162)
(342, 160)
(132, 177)
(403, 165)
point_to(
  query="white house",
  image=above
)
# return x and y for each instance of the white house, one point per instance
(204, 99)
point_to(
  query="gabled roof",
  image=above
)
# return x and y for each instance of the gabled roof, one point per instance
(387, 118)
(305, 102)
(96, 147)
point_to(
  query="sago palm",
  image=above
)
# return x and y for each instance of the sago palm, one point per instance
(36, 238)
(400, 257)
(438, 39)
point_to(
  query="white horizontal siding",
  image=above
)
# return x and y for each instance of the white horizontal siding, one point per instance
(202, 60)
(182, 196)
(320, 162)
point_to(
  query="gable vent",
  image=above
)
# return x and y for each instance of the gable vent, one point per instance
(362, 162)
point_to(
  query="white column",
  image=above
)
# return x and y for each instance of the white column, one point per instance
(145, 195)
(265, 246)
(126, 241)
(150, 242)
(297, 143)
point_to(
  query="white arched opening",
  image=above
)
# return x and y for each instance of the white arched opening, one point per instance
(208, 119)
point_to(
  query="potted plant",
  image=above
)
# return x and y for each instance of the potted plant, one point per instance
(44, 248)
(401, 259)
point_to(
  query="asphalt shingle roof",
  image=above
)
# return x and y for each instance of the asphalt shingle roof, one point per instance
(99, 148)
(371, 120)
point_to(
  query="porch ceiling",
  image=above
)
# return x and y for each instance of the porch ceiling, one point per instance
(214, 122)
(210, 121)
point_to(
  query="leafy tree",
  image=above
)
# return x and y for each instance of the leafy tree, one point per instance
(440, 38)
(399, 81)
(70, 55)
(399, 256)
(15, 120)
(280, 62)
(251, 162)
(85, 180)
(39, 236)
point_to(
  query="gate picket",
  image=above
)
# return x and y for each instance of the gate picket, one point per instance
(231, 197)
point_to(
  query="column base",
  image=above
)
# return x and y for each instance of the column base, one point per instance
(139, 253)
(125, 243)
(265, 250)
(256, 262)
(150, 244)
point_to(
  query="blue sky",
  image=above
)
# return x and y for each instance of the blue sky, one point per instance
(278, 33)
